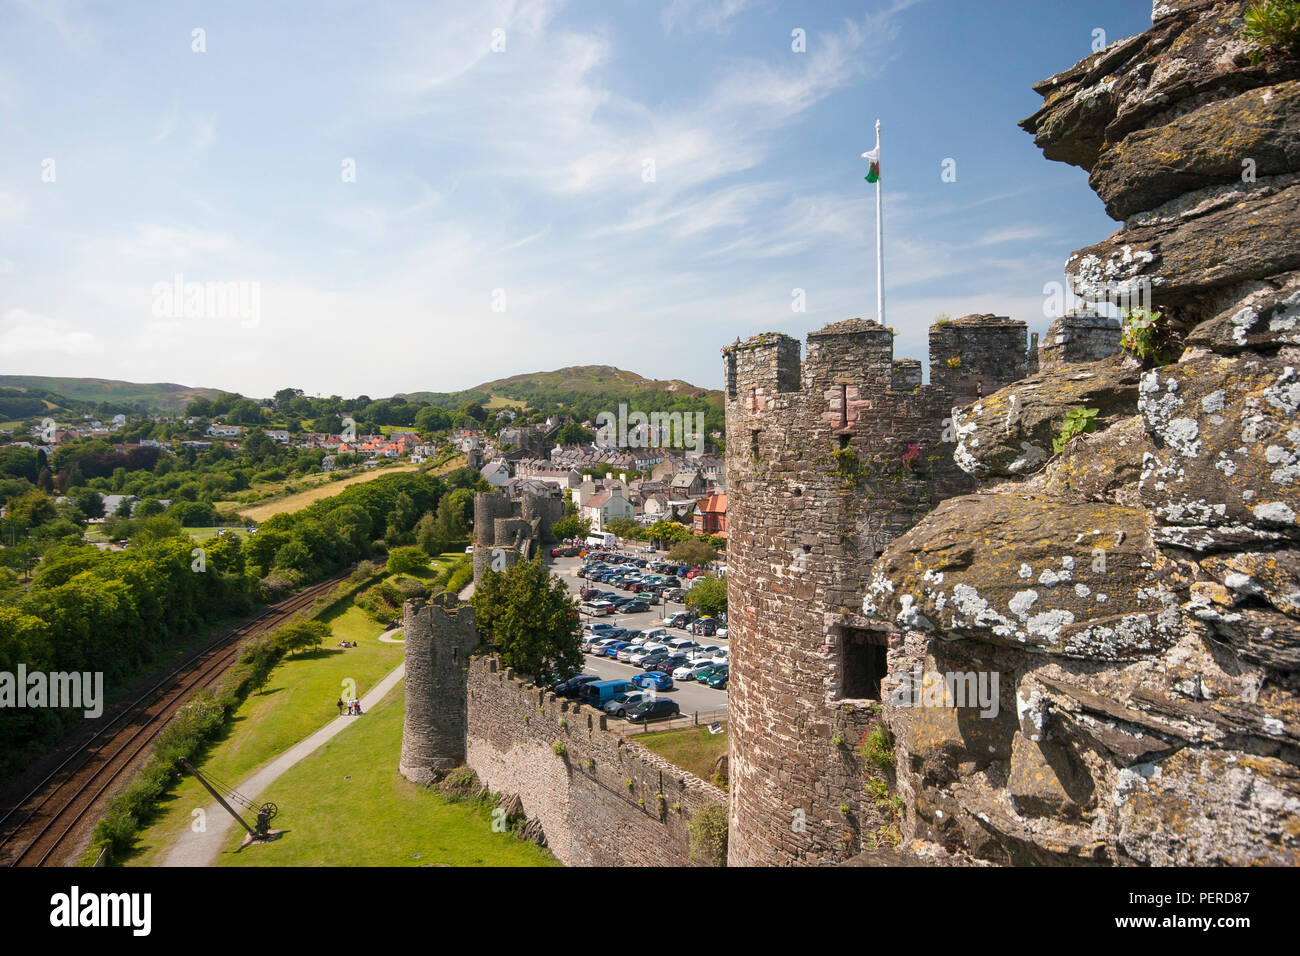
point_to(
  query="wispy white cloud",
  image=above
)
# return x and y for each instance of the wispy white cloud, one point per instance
(25, 334)
(715, 15)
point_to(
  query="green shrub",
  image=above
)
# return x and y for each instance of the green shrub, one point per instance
(878, 747)
(559, 749)
(708, 833)
(1078, 421)
(1146, 336)
(1275, 26)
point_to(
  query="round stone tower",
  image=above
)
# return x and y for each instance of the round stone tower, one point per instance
(827, 461)
(439, 641)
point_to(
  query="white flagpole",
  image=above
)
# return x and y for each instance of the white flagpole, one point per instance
(880, 246)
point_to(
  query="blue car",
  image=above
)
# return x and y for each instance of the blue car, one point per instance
(656, 679)
(611, 650)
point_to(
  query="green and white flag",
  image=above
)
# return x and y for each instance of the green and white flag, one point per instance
(873, 173)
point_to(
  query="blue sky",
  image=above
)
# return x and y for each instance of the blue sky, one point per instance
(503, 216)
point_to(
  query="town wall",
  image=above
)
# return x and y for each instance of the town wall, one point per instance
(605, 801)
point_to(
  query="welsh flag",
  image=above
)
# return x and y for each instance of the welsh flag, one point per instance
(873, 156)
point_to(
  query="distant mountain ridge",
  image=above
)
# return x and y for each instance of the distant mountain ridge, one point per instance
(162, 397)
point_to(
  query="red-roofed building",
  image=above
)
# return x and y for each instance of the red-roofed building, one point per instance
(711, 516)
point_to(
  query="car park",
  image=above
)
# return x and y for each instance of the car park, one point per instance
(660, 708)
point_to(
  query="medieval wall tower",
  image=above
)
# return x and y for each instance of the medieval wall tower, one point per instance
(511, 530)
(439, 640)
(827, 461)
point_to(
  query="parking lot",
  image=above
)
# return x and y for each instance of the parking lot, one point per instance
(691, 697)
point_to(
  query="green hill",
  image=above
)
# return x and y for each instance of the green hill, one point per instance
(577, 384)
(161, 397)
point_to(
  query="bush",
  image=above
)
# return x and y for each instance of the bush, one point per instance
(1275, 26)
(1147, 337)
(708, 831)
(461, 576)
(407, 559)
(877, 747)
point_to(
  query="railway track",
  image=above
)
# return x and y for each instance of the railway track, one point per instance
(42, 821)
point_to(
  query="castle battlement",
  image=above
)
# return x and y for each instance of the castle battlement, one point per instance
(969, 358)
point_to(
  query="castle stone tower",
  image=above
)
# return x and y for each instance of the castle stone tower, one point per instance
(512, 530)
(827, 461)
(1079, 337)
(439, 641)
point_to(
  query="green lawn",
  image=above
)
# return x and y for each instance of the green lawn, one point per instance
(298, 699)
(693, 749)
(346, 805)
(203, 534)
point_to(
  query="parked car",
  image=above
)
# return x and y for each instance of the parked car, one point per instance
(718, 679)
(638, 655)
(635, 607)
(599, 627)
(663, 662)
(693, 670)
(611, 650)
(656, 679)
(600, 692)
(620, 705)
(722, 657)
(573, 686)
(661, 708)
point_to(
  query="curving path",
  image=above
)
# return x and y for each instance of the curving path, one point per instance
(201, 849)
(387, 636)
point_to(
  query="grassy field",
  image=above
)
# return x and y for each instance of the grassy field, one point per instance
(346, 805)
(298, 699)
(693, 749)
(296, 502)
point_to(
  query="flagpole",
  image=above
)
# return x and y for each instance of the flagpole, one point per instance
(880, 240)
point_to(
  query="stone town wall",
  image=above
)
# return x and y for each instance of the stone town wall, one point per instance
(599, 803)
